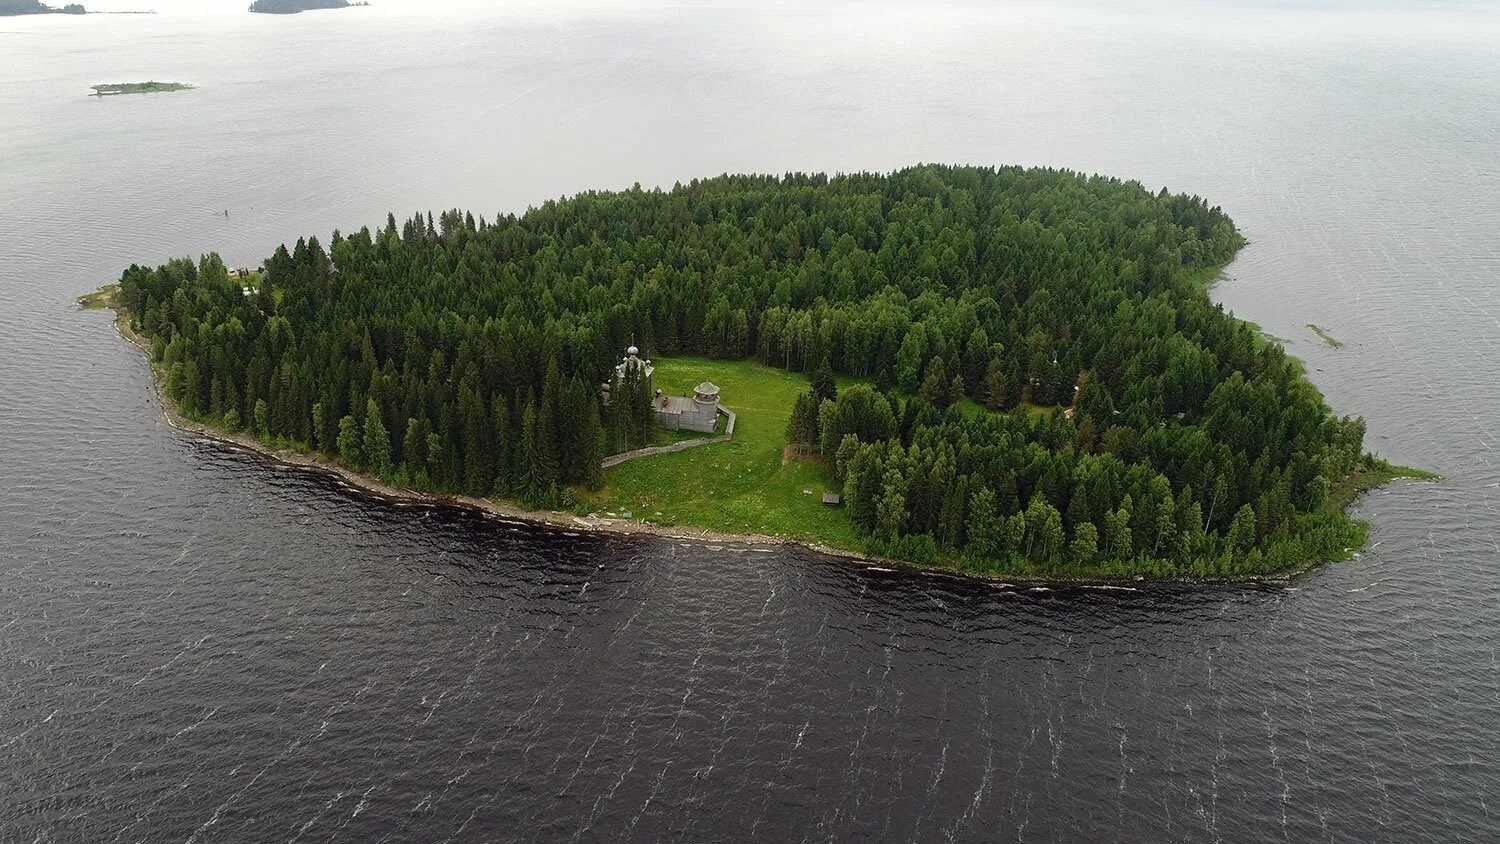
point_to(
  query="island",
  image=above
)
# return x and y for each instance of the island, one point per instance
(292, 7)
(117, 88)
(1006, 372)
(36, 7)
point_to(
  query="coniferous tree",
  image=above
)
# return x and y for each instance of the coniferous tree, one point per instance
(580, 432)
(439, 462)
(824, 387)
(377, 442)
(505, 446)
(890, 508)
(955, 393)
(590, 436)
(951, 524)
(983, 528)
(1118, 541)
(849, 448)
(639, 408)
(621, 422)
(1242, 529)
(862, 489)
(478, 441)
(349, 443)
(1012, 533)
(532, 483)
(801, 428)
(992, 387)
(545, 448)
(262, 419)
(190, 394)
(319, 431)
(414, 449)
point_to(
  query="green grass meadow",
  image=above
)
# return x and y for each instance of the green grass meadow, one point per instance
(740, 486)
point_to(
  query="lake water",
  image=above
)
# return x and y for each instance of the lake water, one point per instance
(198, 646)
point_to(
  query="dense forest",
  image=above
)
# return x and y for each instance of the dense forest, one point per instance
(1043, 383)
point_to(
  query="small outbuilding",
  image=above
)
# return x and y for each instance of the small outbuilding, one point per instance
(832, 499)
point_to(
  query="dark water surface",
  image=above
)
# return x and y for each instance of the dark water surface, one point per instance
(195, 645)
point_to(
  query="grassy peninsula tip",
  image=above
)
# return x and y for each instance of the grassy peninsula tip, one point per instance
(1325, 336)
(1011, 372)
(100, 299)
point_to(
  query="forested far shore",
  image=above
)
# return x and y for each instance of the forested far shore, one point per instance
(36, 7)
(291, 7)
(119, 88)
(1036, 381)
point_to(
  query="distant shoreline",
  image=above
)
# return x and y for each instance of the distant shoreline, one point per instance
(27, 8)
(115, 89)
(292, 7)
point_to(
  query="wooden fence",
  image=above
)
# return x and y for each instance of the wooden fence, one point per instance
(617, 459)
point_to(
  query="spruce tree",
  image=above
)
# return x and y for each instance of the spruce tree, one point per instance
(377, 442)
(848, 448)
(349, 442)
(862, 488)
(890, 508)
(579, 431)
(1242, 529)
(319, 431)
(532, 483)
(262, 419)
(590, 435)
(617, 417)
(992, 388)
(824, 387)
(983, 526)
(414, 447)
(478, 441)
(545, 447)
(505, 446)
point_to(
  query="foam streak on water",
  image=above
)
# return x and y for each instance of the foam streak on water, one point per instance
(198, 646)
